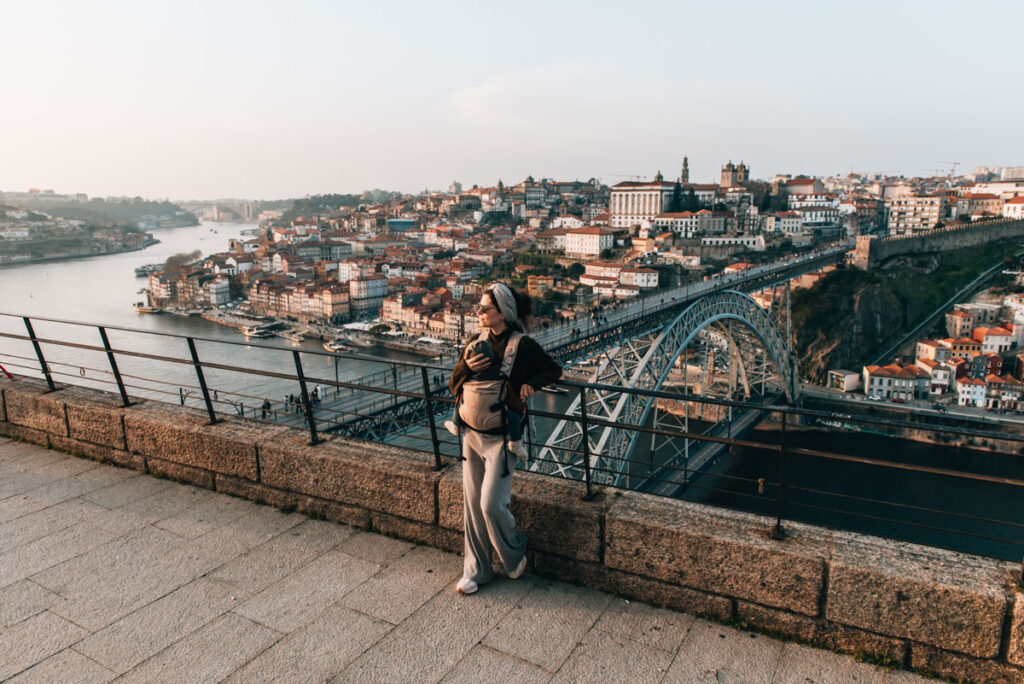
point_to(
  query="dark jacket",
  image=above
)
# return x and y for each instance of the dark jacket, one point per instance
(532, 367)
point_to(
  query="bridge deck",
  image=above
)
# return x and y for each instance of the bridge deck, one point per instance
(107, 573)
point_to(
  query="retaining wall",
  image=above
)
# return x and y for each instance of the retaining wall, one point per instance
(957, 615)
(871, 250)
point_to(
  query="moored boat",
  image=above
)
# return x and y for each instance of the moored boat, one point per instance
(142, 307)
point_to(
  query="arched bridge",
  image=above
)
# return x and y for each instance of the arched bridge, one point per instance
(645, 363)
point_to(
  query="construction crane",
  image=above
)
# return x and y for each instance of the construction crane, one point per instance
(953, 165)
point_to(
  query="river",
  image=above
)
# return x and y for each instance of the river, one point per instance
(102, 290)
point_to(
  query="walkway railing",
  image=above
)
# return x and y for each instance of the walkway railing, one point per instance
(965, 492)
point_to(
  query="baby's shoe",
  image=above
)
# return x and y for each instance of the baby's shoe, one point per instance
(518, 449)
(451, 427)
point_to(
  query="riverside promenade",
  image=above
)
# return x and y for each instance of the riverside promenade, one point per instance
(109, 574)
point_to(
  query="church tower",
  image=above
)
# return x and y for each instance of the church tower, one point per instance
(742, 174)
(684, 177)
(728, 175)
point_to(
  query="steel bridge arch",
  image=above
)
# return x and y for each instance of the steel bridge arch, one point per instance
(646, 367)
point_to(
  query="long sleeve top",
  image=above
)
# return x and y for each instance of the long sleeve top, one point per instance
(532, 367)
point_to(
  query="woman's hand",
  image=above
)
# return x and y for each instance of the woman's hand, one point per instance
(525, 392)
(477, 363)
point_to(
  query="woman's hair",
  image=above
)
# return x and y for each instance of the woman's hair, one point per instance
(523, 308)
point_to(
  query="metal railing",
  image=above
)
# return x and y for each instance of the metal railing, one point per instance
(406, 414)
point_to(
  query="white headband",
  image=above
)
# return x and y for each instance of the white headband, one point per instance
(505, 301)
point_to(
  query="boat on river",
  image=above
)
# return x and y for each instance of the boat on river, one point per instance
(257, 331)
(143, 308)
(143, 271)
(337, 346)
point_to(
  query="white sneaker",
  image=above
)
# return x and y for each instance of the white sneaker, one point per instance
(466, 586)
(451, 427)
(518, 449)
(520, 569)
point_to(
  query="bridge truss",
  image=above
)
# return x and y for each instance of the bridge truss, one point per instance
(645, 362)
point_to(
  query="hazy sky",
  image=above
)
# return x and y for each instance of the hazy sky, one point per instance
(267, 100)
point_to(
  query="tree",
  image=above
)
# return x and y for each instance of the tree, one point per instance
(675, 204)
(606, 254)
(177, 261)
(576, 270)
(692, 203)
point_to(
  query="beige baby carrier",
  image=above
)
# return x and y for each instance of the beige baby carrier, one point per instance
(481, 407)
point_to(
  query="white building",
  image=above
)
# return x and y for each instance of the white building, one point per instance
(643, 278)
(970, 392)
(912, 214)
(589, 241)
(632, 202)
(1014, 208)
(754, 243)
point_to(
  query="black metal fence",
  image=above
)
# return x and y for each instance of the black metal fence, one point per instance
(964, 490)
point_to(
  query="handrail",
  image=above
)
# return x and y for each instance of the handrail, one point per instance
(412, 407)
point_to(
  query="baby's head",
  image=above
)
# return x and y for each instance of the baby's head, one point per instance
(480, 346)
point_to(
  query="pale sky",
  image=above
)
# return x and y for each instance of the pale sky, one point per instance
(265, 100)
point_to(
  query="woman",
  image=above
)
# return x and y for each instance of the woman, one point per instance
(486, 474)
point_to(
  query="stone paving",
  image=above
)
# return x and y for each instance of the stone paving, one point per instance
(109, 574)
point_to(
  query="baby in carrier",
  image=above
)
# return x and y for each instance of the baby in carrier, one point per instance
(482, 406)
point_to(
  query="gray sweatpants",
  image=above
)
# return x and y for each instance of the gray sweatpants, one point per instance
(486, 496)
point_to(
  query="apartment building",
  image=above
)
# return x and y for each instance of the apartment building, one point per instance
(912, 214)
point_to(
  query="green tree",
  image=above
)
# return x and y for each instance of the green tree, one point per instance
(606, 254)
(576, 270)
(676, 203)
(692, 203)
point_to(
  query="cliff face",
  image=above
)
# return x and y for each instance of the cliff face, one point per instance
(858, 326)
(850, 316)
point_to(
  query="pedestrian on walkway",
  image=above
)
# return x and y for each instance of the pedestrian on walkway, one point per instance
(486, 472)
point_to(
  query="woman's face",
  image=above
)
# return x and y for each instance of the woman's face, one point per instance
(488, 313)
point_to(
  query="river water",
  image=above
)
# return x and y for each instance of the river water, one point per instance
(102, 290)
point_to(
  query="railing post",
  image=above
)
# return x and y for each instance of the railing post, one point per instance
(314, 439)
(586, 444)
(428, 405)
(777, 532)
(113, 367)
(39, 354)
(202, 381)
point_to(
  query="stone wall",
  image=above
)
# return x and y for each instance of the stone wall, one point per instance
(872, 251)
(957, 615)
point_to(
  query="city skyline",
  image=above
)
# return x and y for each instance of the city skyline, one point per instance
(223, 100)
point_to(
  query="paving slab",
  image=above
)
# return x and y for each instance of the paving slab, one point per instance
(22, 600)
(484, 665)
(66, 666)
(207, 655)
(545, 626)
(145, 632)
(606, 657)
(33, 641)
(300, 597)
(801, 663)
(130, 489)
(318, 651)
(51, 550)
(279, 557)
(107, 583)
(435, 638)
(207, 515)
(664, 629)
(246, 533)
(374, 547)
(397, 591)
(43, 522)
(13, 507)
(720, 654)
